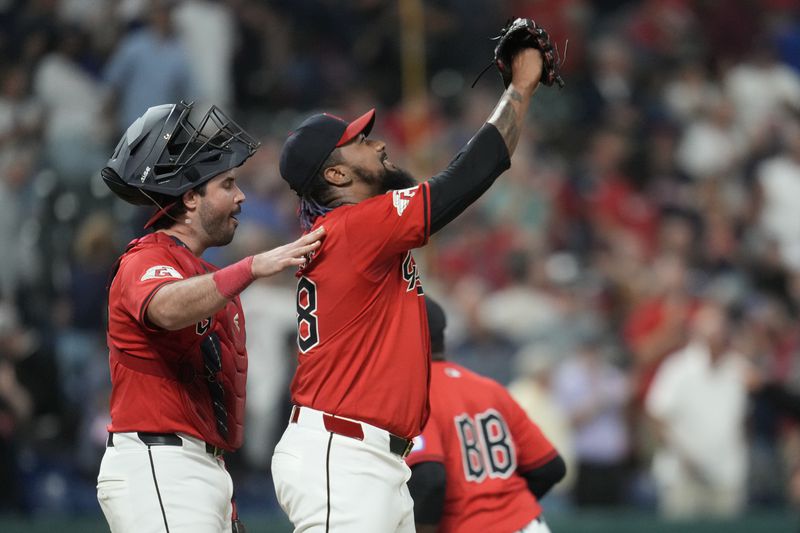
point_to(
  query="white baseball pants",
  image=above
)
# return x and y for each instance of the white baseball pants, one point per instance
(163, 488)
(327, 482)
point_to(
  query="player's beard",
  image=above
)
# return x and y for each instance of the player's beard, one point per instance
(389, 179)
(217, 225)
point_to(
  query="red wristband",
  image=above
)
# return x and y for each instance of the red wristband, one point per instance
(235, 278)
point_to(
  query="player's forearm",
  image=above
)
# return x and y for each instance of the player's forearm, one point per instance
(427, 489)
(183, 303)
(468, 176)
(509, 114)
(543, 478)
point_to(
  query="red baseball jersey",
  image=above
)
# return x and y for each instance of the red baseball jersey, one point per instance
(484, 439)
(139, 401)
(364, 346)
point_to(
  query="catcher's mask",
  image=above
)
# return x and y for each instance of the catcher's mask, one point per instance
(162, 154)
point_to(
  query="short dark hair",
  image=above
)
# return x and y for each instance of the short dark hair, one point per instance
(173, 214)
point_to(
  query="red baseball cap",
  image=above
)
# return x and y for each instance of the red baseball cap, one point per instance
(308, 147)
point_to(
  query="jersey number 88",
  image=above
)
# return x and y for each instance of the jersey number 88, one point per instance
(486, 446)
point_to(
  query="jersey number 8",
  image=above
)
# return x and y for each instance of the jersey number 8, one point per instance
(307, 326)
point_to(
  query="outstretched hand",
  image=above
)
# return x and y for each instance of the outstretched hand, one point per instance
(289, 255)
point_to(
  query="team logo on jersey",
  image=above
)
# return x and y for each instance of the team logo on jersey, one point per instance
(161, 271)
(419, 443)
(401, 198)
(236, 321)
(411, 275)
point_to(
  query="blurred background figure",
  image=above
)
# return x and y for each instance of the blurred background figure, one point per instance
(482, 349)
(150, 66)
(16, 406)
(533, 390)
(76, 131)
(525, 309)
(698, 402)
(779, 187)
(593, 394)
(210, 60)
(21, 114)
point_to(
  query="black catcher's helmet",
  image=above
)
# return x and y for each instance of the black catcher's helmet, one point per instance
(162, 155)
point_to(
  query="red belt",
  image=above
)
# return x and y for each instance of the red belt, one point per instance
(353, 429)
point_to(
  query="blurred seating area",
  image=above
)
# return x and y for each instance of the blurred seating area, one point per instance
(634, 277)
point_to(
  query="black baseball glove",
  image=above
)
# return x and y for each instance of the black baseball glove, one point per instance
(524, 33)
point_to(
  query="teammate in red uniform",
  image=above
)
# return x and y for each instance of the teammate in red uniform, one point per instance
(480, 464)
(176, 330)
(361, 387)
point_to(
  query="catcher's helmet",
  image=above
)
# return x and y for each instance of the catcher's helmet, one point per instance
(164, 155)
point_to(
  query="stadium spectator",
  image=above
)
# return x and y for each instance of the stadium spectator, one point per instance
(534, 366)
(75, 130)
(698, 403)
(149, 67)
(594, 394)
(779, 194)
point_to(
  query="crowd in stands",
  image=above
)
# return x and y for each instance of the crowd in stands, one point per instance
(634, 278)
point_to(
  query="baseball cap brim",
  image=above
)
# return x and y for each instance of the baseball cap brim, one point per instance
(362, 124)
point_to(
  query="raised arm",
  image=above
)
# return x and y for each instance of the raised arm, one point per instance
(509, 114)
(488, 153)
(186, 302)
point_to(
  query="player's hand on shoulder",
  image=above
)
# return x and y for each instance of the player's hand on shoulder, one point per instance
(289, 255)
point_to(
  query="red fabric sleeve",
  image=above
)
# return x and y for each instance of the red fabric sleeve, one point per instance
(533, 448)
(141, 275)
(428, 446)
(382, 227)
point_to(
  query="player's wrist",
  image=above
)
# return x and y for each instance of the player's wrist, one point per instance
(525, 88)
(235, 278)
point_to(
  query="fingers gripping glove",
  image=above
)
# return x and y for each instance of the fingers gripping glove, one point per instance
(524, 33)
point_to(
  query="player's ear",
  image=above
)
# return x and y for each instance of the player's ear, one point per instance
(190, 199)
(337, 175)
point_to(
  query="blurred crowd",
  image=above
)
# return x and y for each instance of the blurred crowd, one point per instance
(634, 277)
